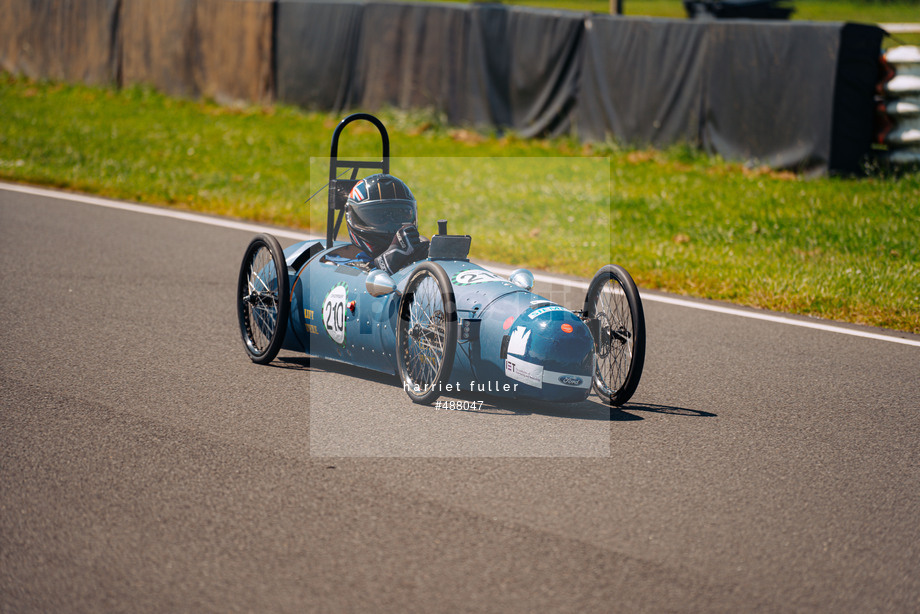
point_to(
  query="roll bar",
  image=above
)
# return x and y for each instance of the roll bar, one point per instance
(340, 188)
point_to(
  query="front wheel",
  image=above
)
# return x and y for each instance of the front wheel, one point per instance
(613, 312)
(263, 298)
(426, 337)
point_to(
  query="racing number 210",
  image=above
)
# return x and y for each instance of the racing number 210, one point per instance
(335, 317)
(334, 313)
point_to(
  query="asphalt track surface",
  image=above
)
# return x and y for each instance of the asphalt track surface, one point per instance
(146, 465)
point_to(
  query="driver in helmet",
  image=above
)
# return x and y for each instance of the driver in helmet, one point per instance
(382, 220)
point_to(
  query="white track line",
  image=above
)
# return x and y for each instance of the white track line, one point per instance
(732, 311)
(300, 236)
(900, 28)
(159, 211)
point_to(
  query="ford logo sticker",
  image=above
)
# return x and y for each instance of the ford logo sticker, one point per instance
(570, 380)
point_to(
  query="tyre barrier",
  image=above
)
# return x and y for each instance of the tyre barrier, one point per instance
(898, 125)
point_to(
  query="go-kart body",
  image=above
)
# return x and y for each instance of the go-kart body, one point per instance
(443, 324)
(511, 342)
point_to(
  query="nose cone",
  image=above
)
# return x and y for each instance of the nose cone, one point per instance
(559, 340)
(549, 350)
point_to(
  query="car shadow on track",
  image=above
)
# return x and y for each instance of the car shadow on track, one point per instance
(590, 409)
(661, 409)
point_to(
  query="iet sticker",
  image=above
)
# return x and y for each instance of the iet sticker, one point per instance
(524, 371)
(334, 312)
(478, 276)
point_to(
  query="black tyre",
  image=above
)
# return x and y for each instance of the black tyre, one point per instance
(263, 298)
(426, 337)
(613, 311)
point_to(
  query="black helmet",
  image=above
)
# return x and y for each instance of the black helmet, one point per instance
(376, 208)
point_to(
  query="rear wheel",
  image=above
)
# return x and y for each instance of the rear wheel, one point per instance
(426, 338)
(613, 311)
(263, 298)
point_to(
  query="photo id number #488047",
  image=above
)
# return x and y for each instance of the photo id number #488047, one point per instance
(458, 405)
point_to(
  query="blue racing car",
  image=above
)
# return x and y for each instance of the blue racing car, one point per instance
(390, 301)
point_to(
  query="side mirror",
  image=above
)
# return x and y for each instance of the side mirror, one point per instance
(522, 278)
(379, 283)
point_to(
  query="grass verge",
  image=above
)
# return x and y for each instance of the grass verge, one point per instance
(864, 11)
(844, 249)
(857, 11)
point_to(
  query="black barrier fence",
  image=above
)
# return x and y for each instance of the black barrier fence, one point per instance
(789, 94)
(792, 95)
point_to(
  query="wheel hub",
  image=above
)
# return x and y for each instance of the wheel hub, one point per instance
(603, 335)
(260, 298)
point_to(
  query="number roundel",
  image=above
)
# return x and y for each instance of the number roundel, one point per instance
(334, 312)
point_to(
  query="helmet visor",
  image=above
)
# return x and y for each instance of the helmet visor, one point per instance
(387, 216)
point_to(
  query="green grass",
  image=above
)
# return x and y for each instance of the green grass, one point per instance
(867, 11)
(845, 249)
(858, 11)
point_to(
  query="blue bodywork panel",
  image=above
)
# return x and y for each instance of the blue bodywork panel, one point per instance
(511, 342)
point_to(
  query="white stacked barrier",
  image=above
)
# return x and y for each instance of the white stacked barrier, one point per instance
(902, 105)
